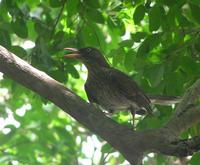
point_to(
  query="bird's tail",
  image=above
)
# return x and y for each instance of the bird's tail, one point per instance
(164, 100)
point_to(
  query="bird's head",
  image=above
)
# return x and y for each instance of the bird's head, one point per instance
(89, 56)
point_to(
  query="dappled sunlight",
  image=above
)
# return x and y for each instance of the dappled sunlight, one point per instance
(155, 43)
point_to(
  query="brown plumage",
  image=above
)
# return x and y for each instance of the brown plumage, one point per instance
(109, 87)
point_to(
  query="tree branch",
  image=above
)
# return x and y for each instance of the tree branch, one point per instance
(132, 144)
(186, 147)
(91, 117)
(187, 113)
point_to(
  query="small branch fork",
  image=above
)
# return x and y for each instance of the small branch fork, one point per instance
(132, 144)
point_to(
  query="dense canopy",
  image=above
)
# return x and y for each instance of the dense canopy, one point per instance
(155, 42)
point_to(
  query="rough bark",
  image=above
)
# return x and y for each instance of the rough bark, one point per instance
(132, 144)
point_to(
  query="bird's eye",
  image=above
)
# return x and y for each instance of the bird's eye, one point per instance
(89, 49)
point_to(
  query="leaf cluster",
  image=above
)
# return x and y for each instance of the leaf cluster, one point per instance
(156, 42)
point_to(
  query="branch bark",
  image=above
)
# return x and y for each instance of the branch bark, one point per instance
(131, 144)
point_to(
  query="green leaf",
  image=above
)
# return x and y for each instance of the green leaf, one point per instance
(128, 61)
(42, 29)
(93, 4)
(6, 138)
(118, 56)
(195, 11)
(139, 14)
(197, 44)
(106, 148)
(151, 42)
(121, 26)
(95, 15)
(99, 36)
(154, 40)
(169, 2)
(72, 70)
(87, 37)
(189, 65)
(126, 43)
(31, 30)
(116, 29)
(176, 80)
(183, 20)
(19, 27)
(155, 18)
(144, 49)
(118, 6)
(59, 75)
(155, 74)
(13, 9)
(72, 6)
(161, 160)
(195, 2)
(25, 9)
(5, 38)
(138, 36)
(149, 122)
(195, 159)
(19, 51)
(170, 18)
(56, 3)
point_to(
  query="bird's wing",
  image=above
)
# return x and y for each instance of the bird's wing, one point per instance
(129, 88)
(90, 95)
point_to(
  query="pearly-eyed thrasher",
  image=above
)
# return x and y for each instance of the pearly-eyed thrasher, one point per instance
(108, 87)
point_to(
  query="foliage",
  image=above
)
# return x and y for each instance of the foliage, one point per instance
(156, 42)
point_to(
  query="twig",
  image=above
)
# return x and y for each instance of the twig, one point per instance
(58, 18)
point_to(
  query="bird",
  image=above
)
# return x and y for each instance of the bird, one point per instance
(108, 87)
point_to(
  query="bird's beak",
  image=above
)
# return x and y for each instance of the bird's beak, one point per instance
(75, 53)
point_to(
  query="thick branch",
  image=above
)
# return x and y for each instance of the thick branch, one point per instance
(187, 113)
(185, 147)
(86, 114)
(178, 124)
(132, 144)
(189, 98)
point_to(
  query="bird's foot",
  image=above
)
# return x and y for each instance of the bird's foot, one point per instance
(133, 119)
